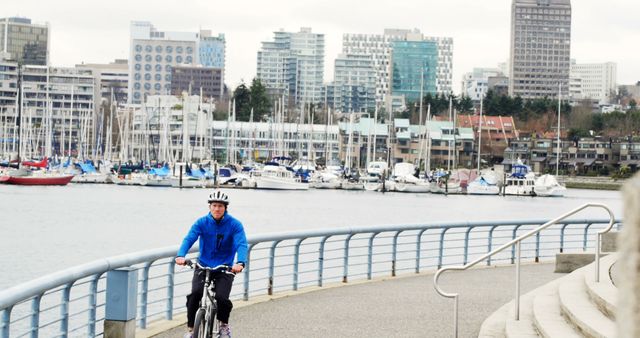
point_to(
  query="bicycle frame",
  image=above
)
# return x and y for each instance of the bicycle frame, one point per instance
(208, 304)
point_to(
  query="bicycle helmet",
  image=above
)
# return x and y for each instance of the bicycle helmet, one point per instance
(218, 196)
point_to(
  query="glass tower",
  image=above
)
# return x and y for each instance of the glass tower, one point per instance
(414, 66)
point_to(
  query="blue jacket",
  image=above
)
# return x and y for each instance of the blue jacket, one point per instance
(219, 241)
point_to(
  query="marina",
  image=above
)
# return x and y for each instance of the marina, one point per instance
(56, 227)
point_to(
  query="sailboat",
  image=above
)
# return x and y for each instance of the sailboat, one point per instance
(547, 185)
(32, 172)
(487, 183)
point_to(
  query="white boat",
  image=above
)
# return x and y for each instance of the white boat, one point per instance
(276, 177)
(486, 184)
(325, 180)
(89, 174)
(405, 181)
(521, 182)
(130, 179)
(352, 185)
(233, 176)
(548, 186)
(442, 183)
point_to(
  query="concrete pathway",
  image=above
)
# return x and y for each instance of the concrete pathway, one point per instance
(399, 307)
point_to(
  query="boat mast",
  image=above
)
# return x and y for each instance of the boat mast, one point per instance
(480, 134)
(558, 134)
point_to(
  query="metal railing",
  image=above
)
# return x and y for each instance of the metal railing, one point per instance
(72, 302)
(516, 244)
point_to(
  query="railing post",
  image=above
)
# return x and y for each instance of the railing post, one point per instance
(490, 243)
(6, 322)
(584, 239)
(247, 273)
(272, 262)
(35, 316)
(441, 247)
(120, 308)
(418, 249)
(64, 311)
(537, 259)
(345, 262)
(142, 321)
(562, 231)
(168, 315)
(296, 261)
(321, 260)
(394, 254)
(370, 256)
(93, 304)
(518, 248)
(513, 248)
(466, 246)
(597, 258)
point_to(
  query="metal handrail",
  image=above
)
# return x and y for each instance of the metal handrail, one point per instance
(334, 250)
(517, 243)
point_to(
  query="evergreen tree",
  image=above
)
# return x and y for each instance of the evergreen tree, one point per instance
(259, 100)
(242, 97)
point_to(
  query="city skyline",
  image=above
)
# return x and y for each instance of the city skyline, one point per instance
(599, 33)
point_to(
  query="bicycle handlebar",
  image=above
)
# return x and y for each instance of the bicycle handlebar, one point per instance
(222, 267)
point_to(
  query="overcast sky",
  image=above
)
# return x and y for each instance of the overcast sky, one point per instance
(98, 31)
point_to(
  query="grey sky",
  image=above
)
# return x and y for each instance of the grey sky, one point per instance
(98, 31)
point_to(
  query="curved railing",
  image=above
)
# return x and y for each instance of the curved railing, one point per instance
(72, 302)
(516, 244)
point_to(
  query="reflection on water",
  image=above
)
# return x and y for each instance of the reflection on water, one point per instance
(56, 227)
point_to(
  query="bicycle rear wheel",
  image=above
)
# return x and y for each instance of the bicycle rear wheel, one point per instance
(199, 325)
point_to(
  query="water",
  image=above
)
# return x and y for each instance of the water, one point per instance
(45, 229)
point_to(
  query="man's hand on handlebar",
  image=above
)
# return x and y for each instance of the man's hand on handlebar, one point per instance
(181, 261)
(237, 268)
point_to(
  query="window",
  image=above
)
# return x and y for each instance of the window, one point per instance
(148, 58)
(169, 49)
(158, 58)
(158, 49)
(179, 50)
(178, 59)
(147, 86)
(147, 67)
(147, 76)
(138, 48)
(168, 58)
(158, 68)
(138, 67)
(148, 49)
(138, 57)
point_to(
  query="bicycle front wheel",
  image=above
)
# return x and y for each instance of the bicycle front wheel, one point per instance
(200, 325)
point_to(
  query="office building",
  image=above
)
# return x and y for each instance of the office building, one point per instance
(540, 48)
(292, 65)
(25, 42)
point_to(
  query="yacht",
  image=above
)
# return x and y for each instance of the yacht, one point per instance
(521, 181)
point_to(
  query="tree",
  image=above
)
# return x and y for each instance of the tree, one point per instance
(259, 99)
(242, 98)
(465, 105)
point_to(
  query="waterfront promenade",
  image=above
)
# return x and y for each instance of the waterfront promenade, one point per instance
(405, 306)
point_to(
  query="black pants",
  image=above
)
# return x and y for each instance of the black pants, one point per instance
(223, 283)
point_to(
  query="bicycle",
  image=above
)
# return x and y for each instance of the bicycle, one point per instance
(205, 324)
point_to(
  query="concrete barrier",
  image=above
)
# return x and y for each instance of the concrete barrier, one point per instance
(628, 318)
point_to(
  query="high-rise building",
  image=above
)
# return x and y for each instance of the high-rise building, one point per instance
(112, 78)
(379, 47)
(197, 80)
(58, 110)
(354, 84)
(414, 68)
(25, 42)
(153, 54)
(540, 48)
(597, 80)
(293, 65)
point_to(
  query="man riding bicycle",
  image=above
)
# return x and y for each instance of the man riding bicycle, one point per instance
(221, 237)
